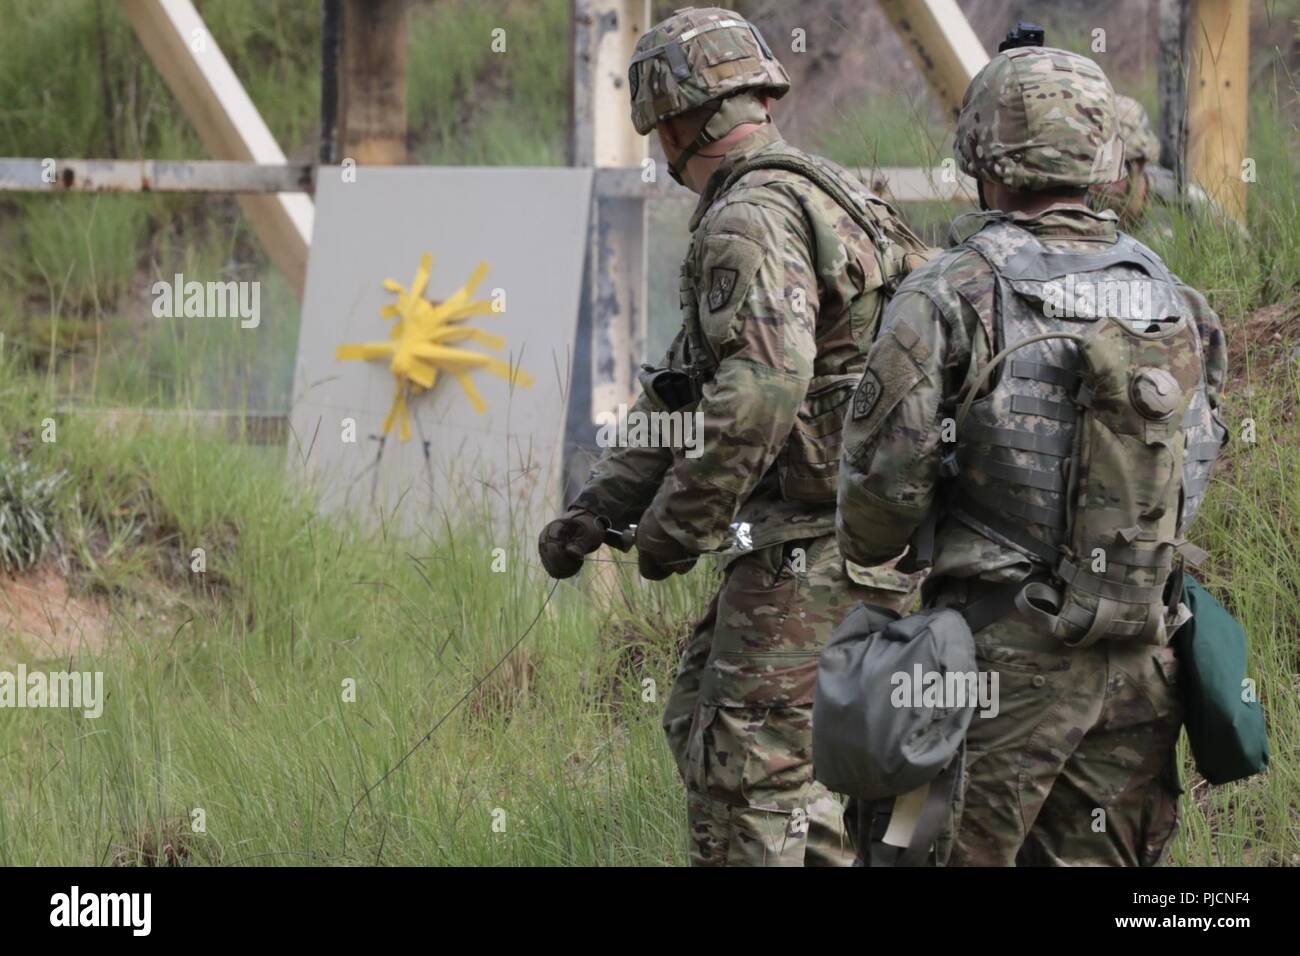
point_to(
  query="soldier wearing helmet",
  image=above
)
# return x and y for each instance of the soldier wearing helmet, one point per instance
(1145, 183)
(1128, 195)
(789, 265)
(1078, 764)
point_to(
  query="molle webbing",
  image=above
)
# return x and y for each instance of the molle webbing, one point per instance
(1086, 580)
(1058, 446)
(1105, 526)
(974, 514)
(1038, 372)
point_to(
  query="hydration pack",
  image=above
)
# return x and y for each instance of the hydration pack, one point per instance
(1090, 452)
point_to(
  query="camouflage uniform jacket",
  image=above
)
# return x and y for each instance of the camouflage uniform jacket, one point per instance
(784, 292)
(940, 321)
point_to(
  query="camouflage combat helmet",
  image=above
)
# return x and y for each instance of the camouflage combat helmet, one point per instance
(1038, 118)
(697, 56)
(1140, 141)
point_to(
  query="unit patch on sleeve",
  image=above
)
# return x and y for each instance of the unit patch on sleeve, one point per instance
(722, 282)
(868, 393)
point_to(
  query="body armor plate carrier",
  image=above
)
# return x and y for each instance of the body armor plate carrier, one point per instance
(1092, 452)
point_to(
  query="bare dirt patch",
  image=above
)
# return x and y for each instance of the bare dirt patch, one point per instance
(40, 616)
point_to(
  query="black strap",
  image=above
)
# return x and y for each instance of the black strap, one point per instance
(930, 822)
(920, 551)
(996, 604)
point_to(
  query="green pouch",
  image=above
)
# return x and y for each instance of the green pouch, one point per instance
(1227, 733)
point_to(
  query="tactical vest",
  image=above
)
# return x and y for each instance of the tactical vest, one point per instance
(808, 466)
(1092, 452)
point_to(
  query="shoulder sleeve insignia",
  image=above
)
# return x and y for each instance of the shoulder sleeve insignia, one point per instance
(722, 282)
(868, 393)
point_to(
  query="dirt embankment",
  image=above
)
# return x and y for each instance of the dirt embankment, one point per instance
(41, 617)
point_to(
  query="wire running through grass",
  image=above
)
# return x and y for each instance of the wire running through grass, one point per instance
(347, 826)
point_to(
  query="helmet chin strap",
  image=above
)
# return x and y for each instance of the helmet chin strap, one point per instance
(704, 138)
(726, 114)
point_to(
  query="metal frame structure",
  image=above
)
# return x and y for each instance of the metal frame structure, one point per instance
(1210, 36)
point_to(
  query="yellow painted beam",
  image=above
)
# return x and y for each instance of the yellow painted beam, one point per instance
(1217, 105)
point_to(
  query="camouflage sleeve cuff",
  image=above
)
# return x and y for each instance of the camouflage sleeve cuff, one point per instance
(871, 530)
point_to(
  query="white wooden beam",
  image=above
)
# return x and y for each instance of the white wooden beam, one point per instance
(941, 40)
(153, 176)
(187, 56)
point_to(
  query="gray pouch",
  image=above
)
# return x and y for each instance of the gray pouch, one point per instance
(867, 745)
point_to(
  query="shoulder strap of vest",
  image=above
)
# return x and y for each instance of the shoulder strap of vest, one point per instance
(1034, 262)
(820, 178)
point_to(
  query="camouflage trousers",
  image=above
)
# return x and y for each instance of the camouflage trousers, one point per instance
(1078, 766)
(739, 716)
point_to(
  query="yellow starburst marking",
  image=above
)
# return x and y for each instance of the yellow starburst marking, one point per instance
(420, 344)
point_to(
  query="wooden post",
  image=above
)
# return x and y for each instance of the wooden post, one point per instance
(187, 56)
(942, 42)
(604, 35)
(1217, 104)
(372, 83)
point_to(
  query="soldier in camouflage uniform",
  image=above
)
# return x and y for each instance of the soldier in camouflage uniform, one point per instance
(1078, 766)
(1129, 195)
(783, 285)
(1145, 184)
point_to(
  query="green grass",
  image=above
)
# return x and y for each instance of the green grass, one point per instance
(1249, 526)
(469, 105)
(886, 131)
(229, 697)
(227, 693)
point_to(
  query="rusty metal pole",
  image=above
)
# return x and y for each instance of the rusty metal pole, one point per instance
(604, 35)
(1172, 84)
